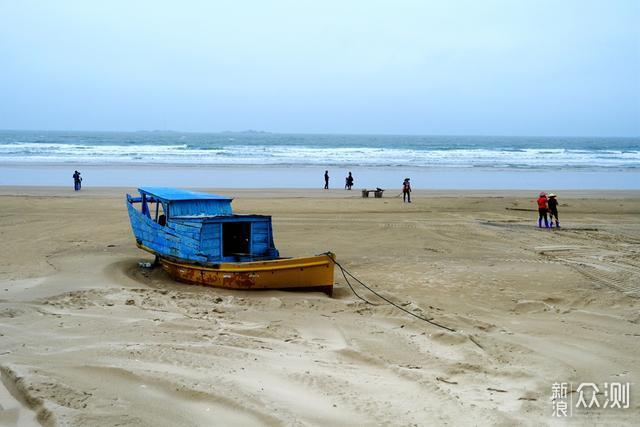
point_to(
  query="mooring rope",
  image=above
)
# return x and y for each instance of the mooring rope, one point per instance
(346, 272)
(342, 270)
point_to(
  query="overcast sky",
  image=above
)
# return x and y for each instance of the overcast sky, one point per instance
(401, 67)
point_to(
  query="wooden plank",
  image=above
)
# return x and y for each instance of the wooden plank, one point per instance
(185, 223)
(211, 231)
(179, 228)
(210, 242)
(183, 242)
(260, 249)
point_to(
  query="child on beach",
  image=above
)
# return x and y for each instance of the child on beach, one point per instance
(542, 210)
(552, 202)
(348, 182)
(406, 191)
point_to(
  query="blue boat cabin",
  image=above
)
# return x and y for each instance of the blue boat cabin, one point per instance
(198, 227)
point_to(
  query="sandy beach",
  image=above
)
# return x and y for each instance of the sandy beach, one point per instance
(89, 338)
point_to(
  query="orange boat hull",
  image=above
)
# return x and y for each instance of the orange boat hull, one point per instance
(310, 273)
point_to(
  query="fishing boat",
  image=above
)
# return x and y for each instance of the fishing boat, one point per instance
(198, 239)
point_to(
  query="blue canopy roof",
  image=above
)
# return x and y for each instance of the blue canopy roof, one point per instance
(169, 194)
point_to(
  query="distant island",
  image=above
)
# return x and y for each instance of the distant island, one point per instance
(224, 132)
(248, 131)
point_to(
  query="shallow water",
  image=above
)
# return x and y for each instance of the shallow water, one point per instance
(312, 177)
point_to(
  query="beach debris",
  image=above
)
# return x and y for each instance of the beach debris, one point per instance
(377, 193)
(444, 380)
(528, 398)
(499, 390)
(145, 264)
(473, 340)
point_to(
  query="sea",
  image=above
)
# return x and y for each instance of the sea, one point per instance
(262, 159)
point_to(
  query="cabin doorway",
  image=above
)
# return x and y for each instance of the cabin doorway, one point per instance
(161, 218)
(236, 237)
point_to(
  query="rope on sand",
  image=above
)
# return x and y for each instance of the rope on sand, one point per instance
(345, 272)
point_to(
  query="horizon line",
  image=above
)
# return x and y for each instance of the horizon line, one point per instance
(253, 131)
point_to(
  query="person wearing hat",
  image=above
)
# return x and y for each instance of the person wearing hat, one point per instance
(77, 181)
(542, 210)
(406, 191)
(553, 209)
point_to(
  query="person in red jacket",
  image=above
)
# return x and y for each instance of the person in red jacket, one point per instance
(543, 207)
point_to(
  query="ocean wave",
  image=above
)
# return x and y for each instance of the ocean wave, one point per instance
(321, 155)
(318, 150)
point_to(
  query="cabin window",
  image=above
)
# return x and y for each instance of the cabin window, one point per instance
(235, 238)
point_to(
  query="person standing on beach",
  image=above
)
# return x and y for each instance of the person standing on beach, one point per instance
(406, 190)
(326, 180)
(542, 210)
(349, 181)
(553, 209)
(77, 181)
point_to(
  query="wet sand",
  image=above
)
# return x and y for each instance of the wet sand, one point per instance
(287, 176)
(89, 338)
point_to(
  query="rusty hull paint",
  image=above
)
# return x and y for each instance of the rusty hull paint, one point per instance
(310, 273)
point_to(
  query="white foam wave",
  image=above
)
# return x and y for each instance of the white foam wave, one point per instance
(306, 155)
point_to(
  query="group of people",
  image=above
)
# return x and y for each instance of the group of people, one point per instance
(77, 181)
(547, 204)
(348, 181)
(348, 184)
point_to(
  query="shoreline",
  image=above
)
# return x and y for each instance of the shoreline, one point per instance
(313, 193)
(308, 177)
